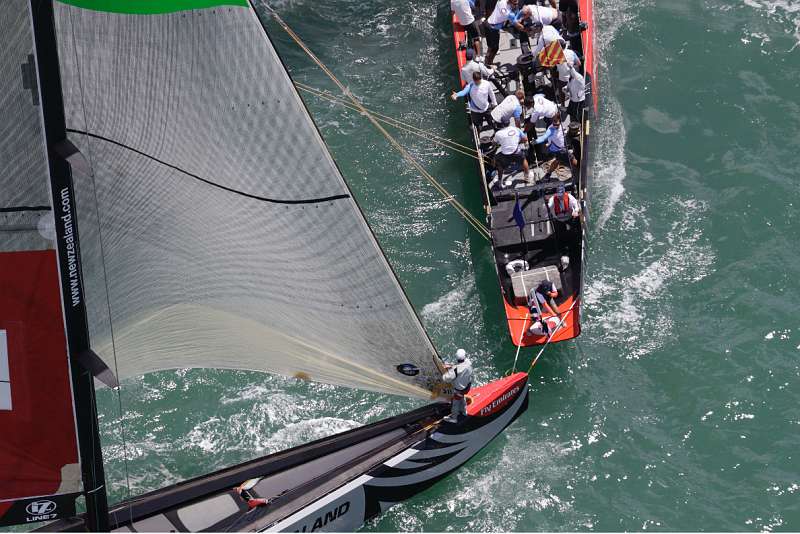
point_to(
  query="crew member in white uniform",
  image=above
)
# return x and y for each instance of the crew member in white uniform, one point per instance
(542, 36)
(576, 91)
(542, 109)
(533, 13)
(509, 151)
(473, 65)
(504, 12)
(464, 16)
(460, 376)
(572, 62)
(510, 107)
(481, 97)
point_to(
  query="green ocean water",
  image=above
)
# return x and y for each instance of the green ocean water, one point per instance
(678, 407)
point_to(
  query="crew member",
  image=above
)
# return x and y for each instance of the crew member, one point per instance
(563, 206)
(505, 11)
(481, 96)
(554, 136)
(460, 375)
(542, 109)
(473, 65)
(576, 90)
(463, 10)
(533, 13)
(571, 62)
(510, 107)
(542, 35)
(569, 14)
(542, 300)
(509, 151)
(551, 3)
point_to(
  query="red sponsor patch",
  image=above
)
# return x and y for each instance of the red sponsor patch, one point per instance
(495, 396)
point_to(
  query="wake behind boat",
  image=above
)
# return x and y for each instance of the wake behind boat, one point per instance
(537, 219)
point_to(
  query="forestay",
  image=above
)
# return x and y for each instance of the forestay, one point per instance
(216, 230)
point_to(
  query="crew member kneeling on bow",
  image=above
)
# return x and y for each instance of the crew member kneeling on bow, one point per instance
(460, 375)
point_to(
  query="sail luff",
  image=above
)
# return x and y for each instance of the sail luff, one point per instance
(69, 264)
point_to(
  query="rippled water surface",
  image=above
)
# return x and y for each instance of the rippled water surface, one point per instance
(679, 406)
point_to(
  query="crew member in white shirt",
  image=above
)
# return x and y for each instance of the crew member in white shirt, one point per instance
(576, 90)
(533, 13)
(542, 35)
(542, 109)
(460, 375)
(510, 151)
(472, 65)
(510, 107)
(481, 97)
(464, 16)
(504, 12)
(572, 62)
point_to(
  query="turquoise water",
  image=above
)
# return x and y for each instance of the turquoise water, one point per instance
(677, 409)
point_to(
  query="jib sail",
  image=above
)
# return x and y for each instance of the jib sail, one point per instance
(216, 230)
(40, 473)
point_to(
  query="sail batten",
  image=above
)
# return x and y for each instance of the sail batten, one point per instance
(216, 230)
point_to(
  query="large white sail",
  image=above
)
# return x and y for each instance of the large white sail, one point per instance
(216, 230)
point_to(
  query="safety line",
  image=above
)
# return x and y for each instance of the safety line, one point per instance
(550, 337)
(471, 219)
(524, 324)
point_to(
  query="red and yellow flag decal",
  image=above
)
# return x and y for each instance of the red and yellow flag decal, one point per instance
(551, 55)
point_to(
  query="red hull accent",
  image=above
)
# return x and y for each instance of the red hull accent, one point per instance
(519, 321)
(459, 37)
(38, 436)
(493, 397)
(586, 8)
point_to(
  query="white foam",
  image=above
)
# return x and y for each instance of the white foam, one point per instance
(681, 256)
(779, 11)
(609, 164)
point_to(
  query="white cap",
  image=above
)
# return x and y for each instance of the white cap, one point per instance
(461, 355)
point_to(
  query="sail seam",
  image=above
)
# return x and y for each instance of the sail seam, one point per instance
(205, 180)
(14, 209)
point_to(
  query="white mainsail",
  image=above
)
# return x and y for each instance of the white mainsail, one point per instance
(216, 230)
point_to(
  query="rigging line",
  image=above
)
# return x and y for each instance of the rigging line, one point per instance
(385, 118)
(206, 181)
(550, 337)
(392, 119)
(471, 219)
(422, 134)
